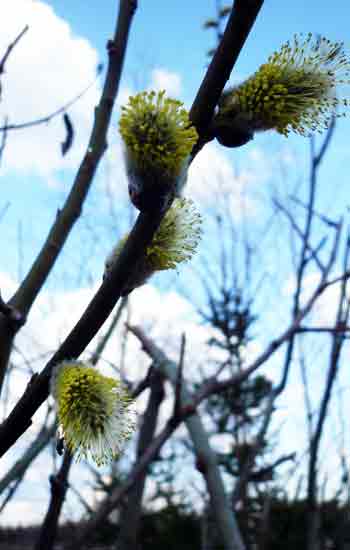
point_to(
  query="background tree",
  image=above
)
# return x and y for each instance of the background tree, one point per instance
(240, 492)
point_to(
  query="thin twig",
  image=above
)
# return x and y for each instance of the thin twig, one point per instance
(313, 253)
(333, 369)
(59, 486)
(318, 215)
(206, 457)
(120, 492)
(47, 118)
(66, 218)
(131, 514)
(215, 386)
(10, 48)
(178, 385)
(3, 138)
(238, 27)
(139, 238)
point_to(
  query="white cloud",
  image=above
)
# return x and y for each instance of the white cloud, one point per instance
(164, 316)
(25, 512)
(213, 181)
(47, 68)
(162, 79)
(123, 95)
(325, 309)
(7, 286)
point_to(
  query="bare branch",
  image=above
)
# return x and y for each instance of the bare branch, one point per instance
(178, 385)
(10, 48)
(13, 316)
(120, 492)
(206, 459)
(131, 514)
(19, 468)
(47, 118)
(334, 365)
(139, 238)
(240, 22)
(215, 386)
(33, 282)
(3, 141)
(59, 486)
(313, 253)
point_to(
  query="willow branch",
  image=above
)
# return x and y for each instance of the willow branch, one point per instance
(206, 458)
(107, 296)
(10, 48)
(239, 24)
(65, 219)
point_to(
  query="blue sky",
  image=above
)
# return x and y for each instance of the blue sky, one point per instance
(170, 34)
(164, 36)
(53, 62)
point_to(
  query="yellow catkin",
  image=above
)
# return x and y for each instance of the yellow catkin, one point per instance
(157, 133)
(296, 90)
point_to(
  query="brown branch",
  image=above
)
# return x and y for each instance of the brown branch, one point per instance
(131, 514)
(102, 304)
(91, 321)
(19, 468)
(240, 22)
(59, 486)
(206, 458)
(313, 252)
(333, 368)
(178, 385)
(65, 219)
(47, 118)
(13, 316)
(214, 386)
(138, 470)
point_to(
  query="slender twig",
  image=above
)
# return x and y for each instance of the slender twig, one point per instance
(131, 513)
(240, 22)
(19, 468)
(11, 493)
(3, 139)
(313, 252)
(215, 386)
(65, 219)
(10, 48)
(178, 385)
(206, 457)
(59, 486)
(105, 338)
(120, 492)
(318, 215)
(4, 210)
(139, 238)
(303, 259)
(47, 118)
(334, 365)
(337, 329)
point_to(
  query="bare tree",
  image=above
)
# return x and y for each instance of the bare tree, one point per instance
(235, 393)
